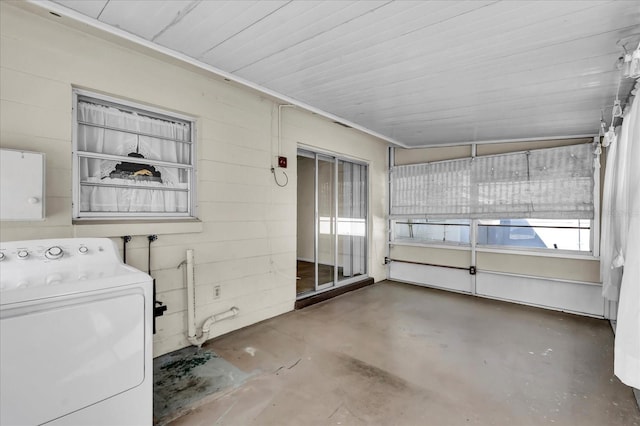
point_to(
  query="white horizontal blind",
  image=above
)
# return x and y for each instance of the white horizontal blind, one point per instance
(552, 183)
(434, 190)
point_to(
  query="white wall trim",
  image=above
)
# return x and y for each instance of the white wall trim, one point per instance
(560, 280)
(492, 141)
(431, 245)
(541, 253)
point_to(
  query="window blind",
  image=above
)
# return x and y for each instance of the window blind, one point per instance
(551, 183)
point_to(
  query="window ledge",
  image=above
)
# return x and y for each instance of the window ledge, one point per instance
(548, 253)
(451, 246)
(119, 228)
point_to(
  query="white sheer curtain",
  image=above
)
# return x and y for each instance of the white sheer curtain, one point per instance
(620, 243)
(352, 214)
(103, 138)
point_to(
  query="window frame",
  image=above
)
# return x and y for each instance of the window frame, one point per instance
(484, 248)
(149, 111)
(516, 248)
(432, 243)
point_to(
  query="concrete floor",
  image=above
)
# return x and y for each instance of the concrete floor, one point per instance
(398, 354)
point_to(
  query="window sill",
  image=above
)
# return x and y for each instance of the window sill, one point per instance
(104, 228)
(547, 253)
(451, 246)
(500, 250)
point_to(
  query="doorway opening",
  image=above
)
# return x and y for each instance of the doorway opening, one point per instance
(332, 222)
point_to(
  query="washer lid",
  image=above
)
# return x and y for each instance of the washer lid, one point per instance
(30, 285)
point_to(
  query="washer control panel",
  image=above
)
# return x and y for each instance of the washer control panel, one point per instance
(50, 262)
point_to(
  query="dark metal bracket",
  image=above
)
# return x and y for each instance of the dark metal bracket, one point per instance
(125, 240)
(159, 308)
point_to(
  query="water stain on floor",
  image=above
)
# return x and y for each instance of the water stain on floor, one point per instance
(185, 377)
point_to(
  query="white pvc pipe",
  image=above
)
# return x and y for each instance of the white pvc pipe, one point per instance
(204, 334)
(192, 334)
(191, 295)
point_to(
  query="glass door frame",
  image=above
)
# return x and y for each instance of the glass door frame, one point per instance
(315, 154)
(332, 221)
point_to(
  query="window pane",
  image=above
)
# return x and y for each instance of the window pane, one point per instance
(133, 171)
(433, 231)
(113, 142)
(122, 186)
(561, 234)
(123, 118)
(126, 200)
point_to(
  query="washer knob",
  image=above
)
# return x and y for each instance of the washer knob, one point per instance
(83, 250)
(1, 256)
(54, 252)
(23, 254)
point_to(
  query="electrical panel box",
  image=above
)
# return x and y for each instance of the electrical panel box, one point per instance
(21, 185)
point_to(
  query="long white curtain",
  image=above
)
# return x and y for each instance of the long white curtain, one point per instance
(620, 243)
(100, 136)
(610, 239)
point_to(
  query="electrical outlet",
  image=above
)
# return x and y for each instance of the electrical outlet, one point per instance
(282, 162)
(216, 292)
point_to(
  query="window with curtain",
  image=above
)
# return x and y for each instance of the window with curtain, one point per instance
(130, 161)
(540, 199)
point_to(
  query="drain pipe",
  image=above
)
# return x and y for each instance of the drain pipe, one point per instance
(204, 334)
(197, 339)
(191, 295)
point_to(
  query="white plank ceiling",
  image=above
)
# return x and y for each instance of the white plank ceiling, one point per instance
(418, 72)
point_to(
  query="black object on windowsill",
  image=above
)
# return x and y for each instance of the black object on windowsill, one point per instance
(136, 171)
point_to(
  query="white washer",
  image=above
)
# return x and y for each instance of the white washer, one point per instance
(75, 335)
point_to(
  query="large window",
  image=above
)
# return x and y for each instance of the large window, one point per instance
(536, 200)
(131, 161)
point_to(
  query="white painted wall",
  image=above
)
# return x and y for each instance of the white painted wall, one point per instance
(246, 240)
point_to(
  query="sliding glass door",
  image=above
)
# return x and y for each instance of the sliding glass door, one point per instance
(352, 219)
(325, 222)
(334, 252)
